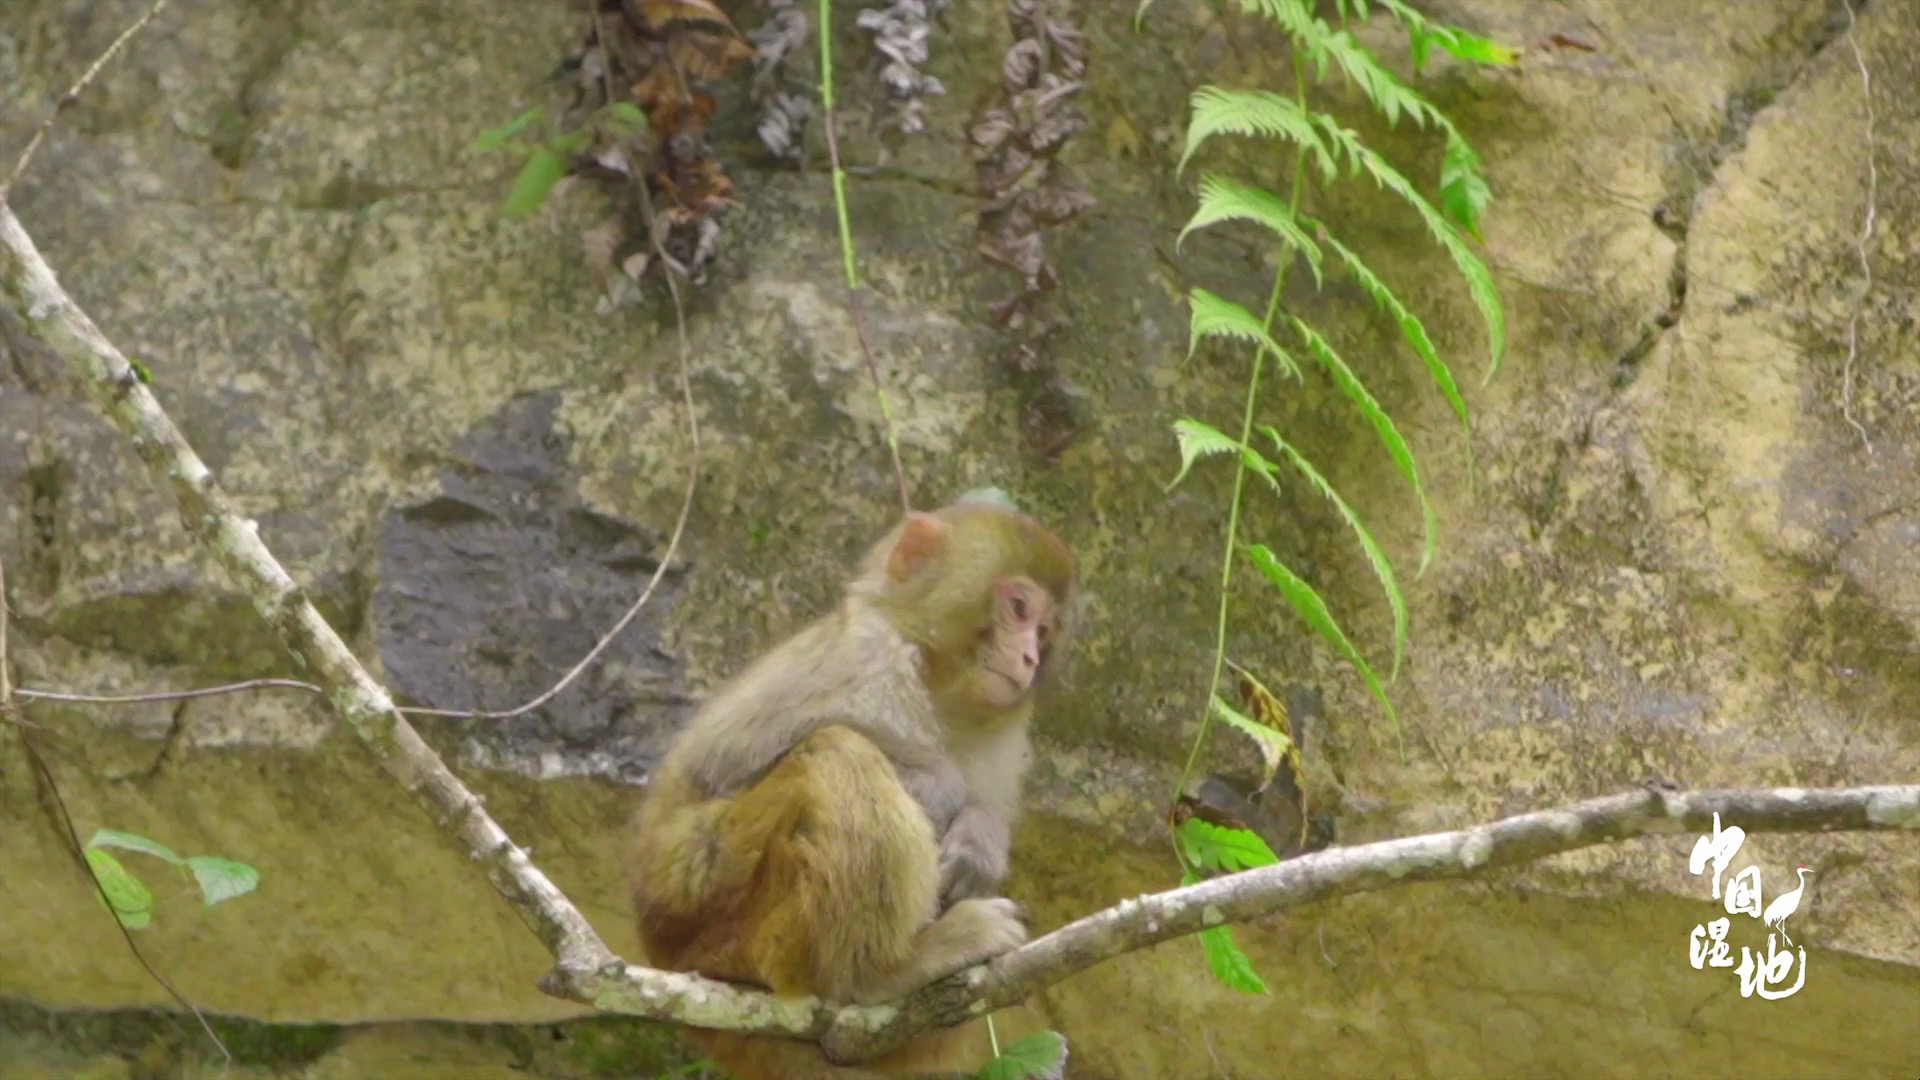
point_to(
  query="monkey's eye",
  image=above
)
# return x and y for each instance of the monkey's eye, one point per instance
(1042, 632)
(1019, 606)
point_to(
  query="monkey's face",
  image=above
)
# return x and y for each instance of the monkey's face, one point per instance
(1013, 646)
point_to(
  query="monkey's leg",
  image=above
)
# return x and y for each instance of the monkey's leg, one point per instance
(843, 905)
(852, 889)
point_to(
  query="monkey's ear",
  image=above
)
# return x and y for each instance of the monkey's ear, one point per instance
(920, 541)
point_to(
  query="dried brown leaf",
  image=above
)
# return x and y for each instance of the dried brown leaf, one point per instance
(662, 13)
(1024, 61)
(699, 54)
(992, 129)
(1283, 765)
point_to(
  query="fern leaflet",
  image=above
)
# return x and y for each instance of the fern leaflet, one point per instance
(1216, 316)
(1228, 200)
(1382, 569)
(1410, 326)
(1217, 111)
(1479, 280)
(1304, 600)
(1397, 448)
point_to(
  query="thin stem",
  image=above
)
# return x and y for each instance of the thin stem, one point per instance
(846, 250)
(1240, 465)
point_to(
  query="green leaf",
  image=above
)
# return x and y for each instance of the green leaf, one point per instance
(127, 898)
(1470, 47)
(141, 371)
(543, 169)
(1313, 609)
(1040, 1056)
(1229, 964)
(1382, 87)
(1217, 847)
(1479, 280)
(1463, 194)
(1383, 425)
(1218, 111)
(1264, 734)
(1473, 48)
(498, 138)
(1410, 327)
(1227, 200)
(1198, 440)
(222, 879)
(1293, 16)
(1216, 316)
(114, 838)
(627, 115)
(1382, 569)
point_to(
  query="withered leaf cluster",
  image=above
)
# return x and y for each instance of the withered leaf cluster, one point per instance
(656, 55)
(1017, 142)
(900, 32)
(779, 53)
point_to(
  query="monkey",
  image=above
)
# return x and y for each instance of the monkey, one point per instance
(836, 819)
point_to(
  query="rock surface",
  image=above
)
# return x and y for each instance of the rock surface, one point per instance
(1682, 546)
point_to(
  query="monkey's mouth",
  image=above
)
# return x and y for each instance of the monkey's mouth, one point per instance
(1018, 686)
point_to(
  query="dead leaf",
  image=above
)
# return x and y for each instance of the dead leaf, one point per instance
(662, 13)
(1280, 764)
(699, 54)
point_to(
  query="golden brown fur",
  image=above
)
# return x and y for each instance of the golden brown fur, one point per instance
(803, 828)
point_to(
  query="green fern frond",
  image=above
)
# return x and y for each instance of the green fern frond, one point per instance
(1252, 728)
(1463, 192)
(1229, 200)
(1305, 601)
(1198, 440)
(1479, 280)
(1462, 44)
(1397, 448)
(1223, 849)
(1293, 16)
(1382, 569)
(1216, 316)
(1227, 962)
(1388, 94)
(1411, 328)
(1218, 111)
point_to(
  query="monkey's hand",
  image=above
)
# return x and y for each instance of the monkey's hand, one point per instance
(973, 855)
(968, 933)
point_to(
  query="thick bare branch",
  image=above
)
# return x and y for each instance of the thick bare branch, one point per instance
(1147, 920)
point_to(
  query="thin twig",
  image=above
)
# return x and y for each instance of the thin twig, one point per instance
(74, 847)
(78, 851)
(825, 30)
(6, 683)
(1866, 238)
(693, 438)
(73, 94)
(163, 695)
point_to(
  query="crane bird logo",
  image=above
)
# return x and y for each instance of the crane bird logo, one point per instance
(1786, 904)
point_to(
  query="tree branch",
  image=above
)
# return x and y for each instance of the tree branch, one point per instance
(588, 972)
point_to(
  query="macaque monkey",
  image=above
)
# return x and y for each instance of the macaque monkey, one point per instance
(836, 818)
